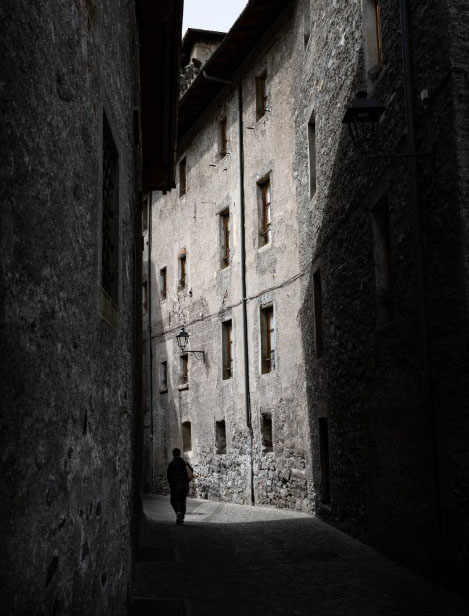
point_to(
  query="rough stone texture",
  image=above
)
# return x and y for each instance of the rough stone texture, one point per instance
(68, 388)
(398, 467)
(398, 462)
(213, 294)
(267, 561)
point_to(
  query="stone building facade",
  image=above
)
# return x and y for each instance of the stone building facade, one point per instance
(70, 254)
(366, 271)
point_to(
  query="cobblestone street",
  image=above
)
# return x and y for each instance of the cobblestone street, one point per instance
(239, 560)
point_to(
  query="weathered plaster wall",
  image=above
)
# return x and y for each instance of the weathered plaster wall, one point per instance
(282, 477)
(68, 388)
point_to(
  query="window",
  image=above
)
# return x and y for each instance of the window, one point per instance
(383, 262)
(145, 213)
(220, 437)
(267, 339)
(317, 289)
(225, 238)
(325, 492)
(163, 283)
(184, 369)
(145, 295)
(306, 21)
(223, 145)
(182, 271)
(266, 426)
(182, 177)
(186, 437)
(109, 295)
(312, 156)
(372, 24)
(164, 376)
(227, 350)
(265, 213)
(261, 95)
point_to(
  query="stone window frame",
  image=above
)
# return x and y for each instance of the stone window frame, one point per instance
(183, 371)
(227, 348)
(264, 189)
(306, 22)
(225, 234)
(318, 304)
(163, 286)
(109, 307)
(182, 176)
(267, 342)
(312, 153)
(186, 435)
(266, 448)
(262, 95)
(372, 37)
(223, 140)
(182, 270)
(163, 376)
(217, 441)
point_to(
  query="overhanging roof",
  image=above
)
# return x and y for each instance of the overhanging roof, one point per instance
(160, 27)
(193, 35)
(256, 18)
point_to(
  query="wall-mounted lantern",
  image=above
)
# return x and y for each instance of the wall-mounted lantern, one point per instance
(183, 339)
(362, 118)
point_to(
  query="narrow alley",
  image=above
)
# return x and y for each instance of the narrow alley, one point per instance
(244, 561)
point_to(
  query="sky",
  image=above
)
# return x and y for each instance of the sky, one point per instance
(211, 14)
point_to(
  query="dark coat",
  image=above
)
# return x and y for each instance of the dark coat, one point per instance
(177, 472)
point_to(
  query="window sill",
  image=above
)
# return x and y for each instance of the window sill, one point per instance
(183, 386)
(265, 246)
(164, 391)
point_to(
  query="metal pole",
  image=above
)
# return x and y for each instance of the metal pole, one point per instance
(415, 201)
(149, 350)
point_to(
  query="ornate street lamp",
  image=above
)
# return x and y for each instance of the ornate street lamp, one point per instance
(364, 113)
(183, 339)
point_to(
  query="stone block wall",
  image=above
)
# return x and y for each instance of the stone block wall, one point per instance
(68, 378)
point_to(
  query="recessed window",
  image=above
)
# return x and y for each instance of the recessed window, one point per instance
(145, 295)
(317, 290)
(182, 177)
(225, 238)
(261, 95)
(184, 369)
(223, 137)
(227, 349)
(186, 437)
(312, 155)
(325, 492)
(373, 38)
(220, 437)
(164, 376)
(265, 213)
(163, 283)
(266, 427)
(267, 339)
(182, 262)
(109, 300)
(383, 262)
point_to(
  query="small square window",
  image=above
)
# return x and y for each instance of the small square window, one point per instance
(261, 95)
(223, 136)
(163, 283)
(267, 339)
(182, 177)
(184, 369)
(265, 213)
(164, 376)
(227, 343)
(225, 238)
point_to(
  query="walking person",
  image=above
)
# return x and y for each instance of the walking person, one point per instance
(178, 479)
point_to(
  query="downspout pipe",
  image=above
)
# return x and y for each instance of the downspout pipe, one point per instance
(150, 351)
(419, 256)
(247, 387)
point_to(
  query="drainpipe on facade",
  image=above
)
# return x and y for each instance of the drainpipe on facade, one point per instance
(247, 389)
(149, 349)
(415, 200)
